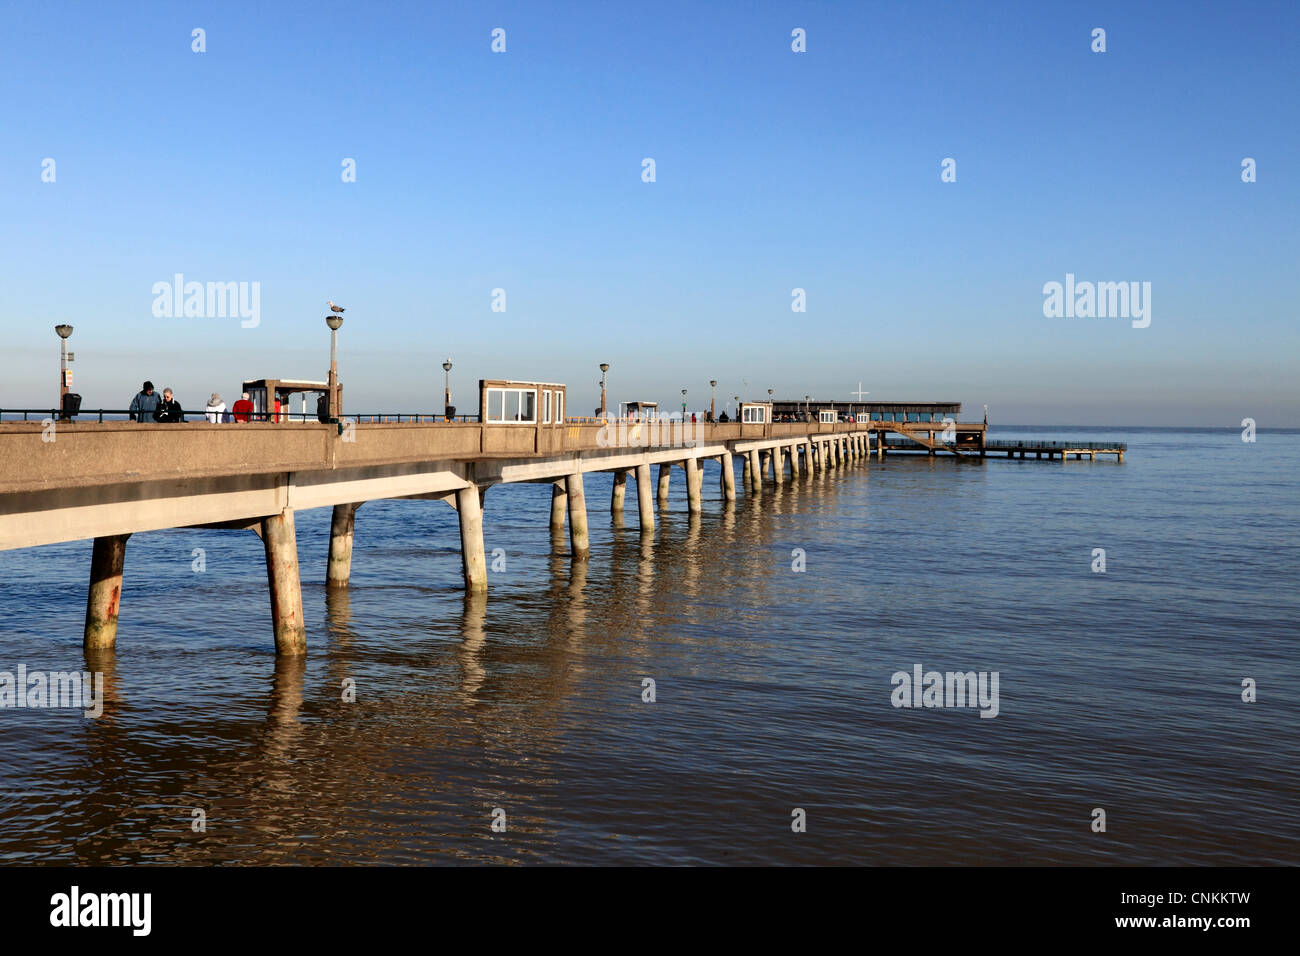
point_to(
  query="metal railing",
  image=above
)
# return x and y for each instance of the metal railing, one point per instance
(100, 415)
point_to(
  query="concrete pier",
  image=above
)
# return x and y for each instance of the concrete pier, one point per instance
(281, 544)
(342, 524)
(472, 557)
(579, 544)
(645, 504)
(259, 475)
(107, 558)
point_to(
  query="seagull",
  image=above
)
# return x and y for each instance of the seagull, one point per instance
(335, 308)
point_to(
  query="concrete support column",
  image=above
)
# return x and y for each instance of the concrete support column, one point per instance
(808, 466)
(694, 479)
(579, 544)
(280, 541)
(104, 597)
(755, 473)
(747, 467)
(728, 477)
(340, 562)
(644, 503)
(619, 492)
(559, 505)
(665, 473)
(473, 561)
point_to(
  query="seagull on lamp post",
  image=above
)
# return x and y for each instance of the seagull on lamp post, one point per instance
(335, 308)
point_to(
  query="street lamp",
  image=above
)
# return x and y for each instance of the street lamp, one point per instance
(334, 320)
(604, 367)
(65, 377)
(713, 402)
(807, 408)
(446, 389)
(683, 404)
(737, 398)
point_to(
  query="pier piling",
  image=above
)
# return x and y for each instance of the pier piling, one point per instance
(473, 560)
(559, 505)
(579, 543)
(280, 541)
(694, 478)
(104, 598)
(643, 499)
(342, 524)
(618, 493)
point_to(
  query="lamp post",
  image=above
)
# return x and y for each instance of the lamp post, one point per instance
(737, 400)
(334, 320)
(446, 389)
(683, 404)
(807, 408)
(64, 358)
(604, 367)
(713, 400)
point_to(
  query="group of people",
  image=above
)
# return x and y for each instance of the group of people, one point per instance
(148, 407)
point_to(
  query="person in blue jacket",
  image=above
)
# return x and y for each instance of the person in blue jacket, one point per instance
(142, 405)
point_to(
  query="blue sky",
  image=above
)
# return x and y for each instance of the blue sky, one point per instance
(775, 170)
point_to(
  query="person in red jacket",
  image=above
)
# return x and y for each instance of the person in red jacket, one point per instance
(243, 409)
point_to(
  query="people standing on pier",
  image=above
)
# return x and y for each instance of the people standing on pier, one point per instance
(243, 408)
(144, 403)
(216, 409)
(168, 410)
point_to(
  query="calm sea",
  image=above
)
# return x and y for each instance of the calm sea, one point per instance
(1119, 690)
